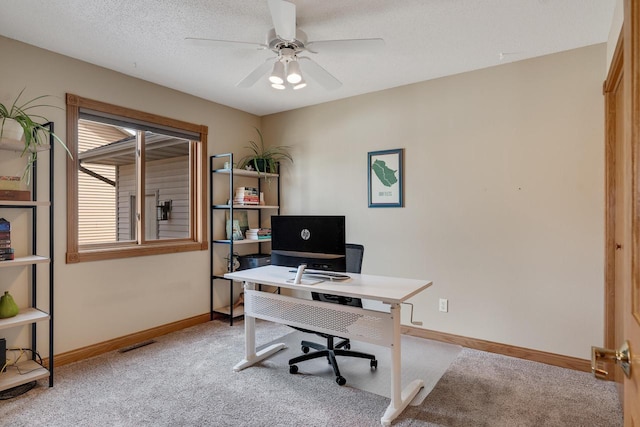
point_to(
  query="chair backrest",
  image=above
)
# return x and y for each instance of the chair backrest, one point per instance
(354, 254)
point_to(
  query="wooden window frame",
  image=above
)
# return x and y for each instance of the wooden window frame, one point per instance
(197, 241)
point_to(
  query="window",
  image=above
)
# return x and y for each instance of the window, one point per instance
(136, 183)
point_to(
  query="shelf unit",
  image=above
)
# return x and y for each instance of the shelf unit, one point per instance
(29, 370)
(218, 226)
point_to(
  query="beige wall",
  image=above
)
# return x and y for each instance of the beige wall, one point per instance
(98, 301)
(503, 188)
(504, 199)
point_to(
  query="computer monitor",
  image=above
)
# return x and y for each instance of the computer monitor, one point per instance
(315, 240)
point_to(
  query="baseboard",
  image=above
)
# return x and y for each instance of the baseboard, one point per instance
(127, 340)
(504, 349)
(477, 344)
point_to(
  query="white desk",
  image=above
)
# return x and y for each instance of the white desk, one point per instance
(340, 320)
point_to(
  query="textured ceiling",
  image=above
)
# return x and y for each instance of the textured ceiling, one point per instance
(424, 39)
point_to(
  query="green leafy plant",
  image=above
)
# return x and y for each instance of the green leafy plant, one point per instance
(264, 160)
(35, 133)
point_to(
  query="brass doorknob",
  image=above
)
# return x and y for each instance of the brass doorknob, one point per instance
(621, 357)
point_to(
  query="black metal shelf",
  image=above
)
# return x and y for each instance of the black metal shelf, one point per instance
(230, 311)
(33, 314)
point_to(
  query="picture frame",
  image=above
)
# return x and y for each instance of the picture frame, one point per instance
(385, 178)
(233, 230)
(239, 226)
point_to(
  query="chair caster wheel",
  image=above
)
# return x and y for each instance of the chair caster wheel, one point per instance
(305, 349)
(293, 369)
(374, 364)
(341, 380)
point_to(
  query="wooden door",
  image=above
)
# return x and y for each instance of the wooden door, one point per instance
(622, 251)
(631, 91)
(617, 212)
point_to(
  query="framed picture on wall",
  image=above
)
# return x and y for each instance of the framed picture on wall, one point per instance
(385, 178)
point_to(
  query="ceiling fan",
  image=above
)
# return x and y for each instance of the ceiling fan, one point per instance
(288, 42)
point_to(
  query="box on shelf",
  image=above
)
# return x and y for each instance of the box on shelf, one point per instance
(15, 195)
(253, 261)
(10, 182)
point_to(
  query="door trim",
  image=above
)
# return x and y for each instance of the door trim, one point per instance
(610, 86)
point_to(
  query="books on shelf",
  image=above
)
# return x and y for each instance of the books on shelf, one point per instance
(7, 256)
(246, 196)
(258, 234)
(6, 251)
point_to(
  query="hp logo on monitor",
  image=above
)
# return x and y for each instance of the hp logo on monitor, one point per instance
(305, 234)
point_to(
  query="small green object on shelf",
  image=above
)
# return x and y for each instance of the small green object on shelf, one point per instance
(8, 307)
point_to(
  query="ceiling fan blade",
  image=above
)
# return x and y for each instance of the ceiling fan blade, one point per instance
(224, 43)
(346, 46)
(283, 15)
(255, 75)
(319, 74)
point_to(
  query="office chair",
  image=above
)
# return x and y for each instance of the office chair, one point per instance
(354, 254)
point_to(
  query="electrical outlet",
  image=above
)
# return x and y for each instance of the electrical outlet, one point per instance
(444, 305)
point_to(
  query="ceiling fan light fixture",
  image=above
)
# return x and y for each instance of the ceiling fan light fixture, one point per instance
(288, 41)
(293, 73)
(277, 75)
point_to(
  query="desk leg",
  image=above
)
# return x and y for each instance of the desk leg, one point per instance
(250, 355)
(399, 399)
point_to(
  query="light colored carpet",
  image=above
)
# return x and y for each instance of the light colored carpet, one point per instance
(489, 390)
(421, 359)
(186, 379)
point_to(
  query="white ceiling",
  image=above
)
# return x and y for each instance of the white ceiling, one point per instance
(424, 39)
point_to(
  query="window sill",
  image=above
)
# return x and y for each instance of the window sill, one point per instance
(134, 251)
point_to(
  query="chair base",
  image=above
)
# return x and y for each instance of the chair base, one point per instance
(330, 352)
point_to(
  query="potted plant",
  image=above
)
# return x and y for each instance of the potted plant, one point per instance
(17, 125)
(264, 160)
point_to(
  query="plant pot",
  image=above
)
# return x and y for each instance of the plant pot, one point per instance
(261, 165)
(11, 131)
